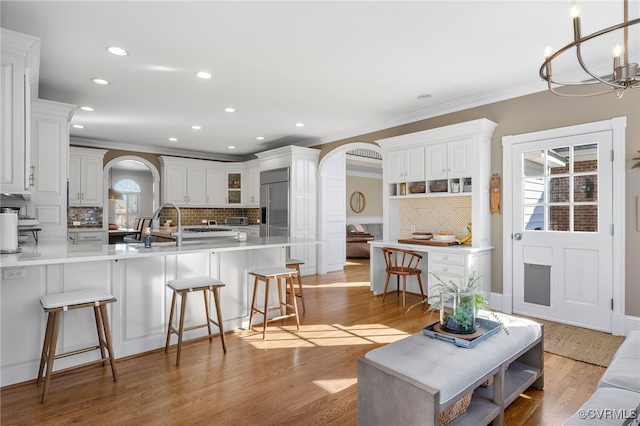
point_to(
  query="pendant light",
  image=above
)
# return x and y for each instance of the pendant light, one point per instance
(113, 194)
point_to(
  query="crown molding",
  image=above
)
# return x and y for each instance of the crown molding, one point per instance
(95, 143)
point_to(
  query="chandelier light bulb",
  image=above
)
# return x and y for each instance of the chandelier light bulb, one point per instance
(575, 10)
(547, 51)
(617, 51)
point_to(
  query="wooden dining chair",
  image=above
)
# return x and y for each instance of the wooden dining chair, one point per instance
(401, 263)
(137, 236)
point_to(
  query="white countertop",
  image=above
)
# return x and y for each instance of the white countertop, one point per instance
(55, 252)
(426, 248)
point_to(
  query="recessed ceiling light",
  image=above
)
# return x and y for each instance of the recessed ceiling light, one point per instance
(229, 109)
(100, 81)
(424, 97)
(78, 126)
(118, 51)
(231, 147)
(260, 138)
(299, 124)
(86, 108)
(203, 75)
(196, 127)
(173, 139)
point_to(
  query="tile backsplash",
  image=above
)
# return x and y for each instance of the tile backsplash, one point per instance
(435, 214)
(89, 217)
(195, 216)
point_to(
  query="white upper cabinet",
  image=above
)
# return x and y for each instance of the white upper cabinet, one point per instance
(251, 184)
(405, 165)
(234, 188)
(456, 162)
(215, 187)
(184, 182)
(196, 186)
(20, 52)
(203, 183)
(449, 160)
(174, 184)
(86, 176)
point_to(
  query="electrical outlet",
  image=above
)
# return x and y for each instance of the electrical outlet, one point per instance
(77, 223)
(204, 221)
(465, 231)
(13, 274)
(413, 229)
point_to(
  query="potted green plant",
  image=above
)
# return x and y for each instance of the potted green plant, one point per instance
(458, 304)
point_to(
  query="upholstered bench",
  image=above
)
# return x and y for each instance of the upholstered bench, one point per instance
(413, 380)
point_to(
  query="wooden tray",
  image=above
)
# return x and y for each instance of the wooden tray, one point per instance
(488, 327)
(430, 242)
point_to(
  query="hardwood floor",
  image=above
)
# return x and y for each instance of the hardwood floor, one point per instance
(294, 378)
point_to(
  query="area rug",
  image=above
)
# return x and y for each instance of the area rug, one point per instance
(580, 344)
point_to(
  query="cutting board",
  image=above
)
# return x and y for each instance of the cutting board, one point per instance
(429, 242)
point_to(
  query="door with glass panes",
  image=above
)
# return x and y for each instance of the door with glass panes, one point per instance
(562, 241)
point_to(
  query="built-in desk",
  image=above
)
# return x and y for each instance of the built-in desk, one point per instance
(450, 263)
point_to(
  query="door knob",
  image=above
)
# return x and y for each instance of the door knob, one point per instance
(517, 236)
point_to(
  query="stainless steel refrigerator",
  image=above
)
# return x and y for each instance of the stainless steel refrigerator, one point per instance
(274, 202)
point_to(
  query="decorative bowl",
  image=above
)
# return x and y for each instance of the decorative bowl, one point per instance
(422, 237)
(444, 237)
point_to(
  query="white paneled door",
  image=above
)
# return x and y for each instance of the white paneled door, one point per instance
(562, 229)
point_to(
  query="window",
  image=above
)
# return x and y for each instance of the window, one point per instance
(127, 209)
(560, 189)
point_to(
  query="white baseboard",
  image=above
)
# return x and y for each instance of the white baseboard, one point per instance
(631, 323)
(621, 324)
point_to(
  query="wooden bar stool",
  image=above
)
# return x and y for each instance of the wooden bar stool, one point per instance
(184, 286)
(54, 305)
(295, 264)
(273, 273)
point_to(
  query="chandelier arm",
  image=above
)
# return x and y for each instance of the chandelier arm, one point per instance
(581, 40)
(585, 95)
(588, 71)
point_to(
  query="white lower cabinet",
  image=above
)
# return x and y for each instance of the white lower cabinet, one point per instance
(138, 317)
(86, 237)
(458, 267)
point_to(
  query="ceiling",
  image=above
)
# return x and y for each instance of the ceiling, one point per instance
(341, 68)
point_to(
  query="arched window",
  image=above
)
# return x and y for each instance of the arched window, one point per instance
(127, 209)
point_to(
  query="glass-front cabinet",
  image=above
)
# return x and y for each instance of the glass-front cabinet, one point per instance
(234, 188)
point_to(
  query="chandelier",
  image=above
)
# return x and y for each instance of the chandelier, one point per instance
(624, 74)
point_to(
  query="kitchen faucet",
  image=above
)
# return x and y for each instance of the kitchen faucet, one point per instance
(177, 234)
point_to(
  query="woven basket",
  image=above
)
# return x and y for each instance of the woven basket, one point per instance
(487, 382)
(458, 407)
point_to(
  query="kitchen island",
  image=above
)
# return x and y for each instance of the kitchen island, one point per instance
(137, 277)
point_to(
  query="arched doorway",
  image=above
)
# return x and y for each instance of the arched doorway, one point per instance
(154, 187)
(332, 206)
